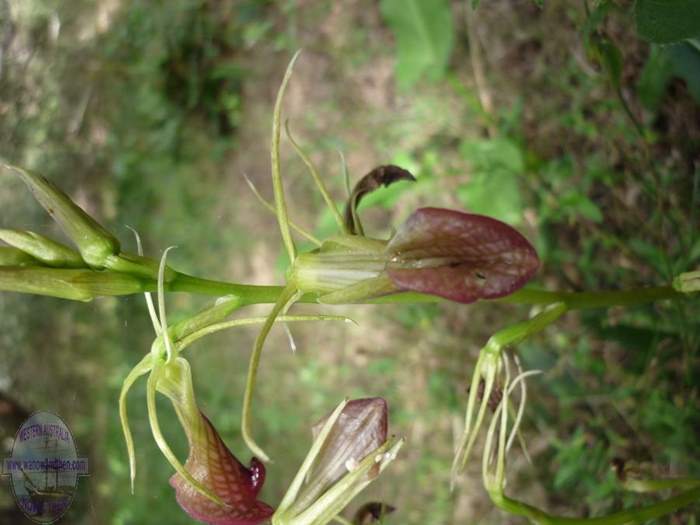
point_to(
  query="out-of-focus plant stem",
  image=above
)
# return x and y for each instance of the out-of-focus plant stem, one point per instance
(640, 515)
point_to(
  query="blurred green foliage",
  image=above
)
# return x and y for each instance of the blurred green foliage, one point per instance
(424, 38)
(666, 21)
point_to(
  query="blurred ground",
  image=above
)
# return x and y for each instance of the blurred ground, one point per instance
(149, 114)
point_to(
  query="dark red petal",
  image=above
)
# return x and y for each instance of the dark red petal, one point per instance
(459, 256)
(211, 463)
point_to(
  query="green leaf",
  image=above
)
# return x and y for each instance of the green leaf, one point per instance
(657, 71)
(664, 62)
(424, 37)
(493, 187)
(579, 204)
(666, 21)
(686, 64)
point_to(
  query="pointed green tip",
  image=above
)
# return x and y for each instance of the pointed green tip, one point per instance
(94, 242)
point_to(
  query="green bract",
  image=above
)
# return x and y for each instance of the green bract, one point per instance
(93, 241)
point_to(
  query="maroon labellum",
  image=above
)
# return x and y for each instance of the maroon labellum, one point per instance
(459, 256)
(212, 464)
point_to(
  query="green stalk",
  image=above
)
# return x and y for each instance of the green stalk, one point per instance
(631, 516)
(247, 293)
(255, 294)
(87, 284)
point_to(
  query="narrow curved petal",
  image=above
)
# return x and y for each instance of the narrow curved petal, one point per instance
(460, 256)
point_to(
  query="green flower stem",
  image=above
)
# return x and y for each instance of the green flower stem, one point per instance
(654, 485)
(631, 516)
(61, 283)
(247, 293)
(518, 332)
(255, 294)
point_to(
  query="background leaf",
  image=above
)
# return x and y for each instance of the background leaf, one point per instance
(424, 37)
(685, 58)
(666, 21)
(496, 166)
(655, 77)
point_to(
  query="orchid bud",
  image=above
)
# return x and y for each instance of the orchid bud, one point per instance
(350, 450)
(45, 250)
(360, 429)
(15, 257)
(94, 242)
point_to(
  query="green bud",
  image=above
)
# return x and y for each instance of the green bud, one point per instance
(73, 284)
(360, 429)
(93, 241)
(687, 282)
(48, 251)
(14, 257)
